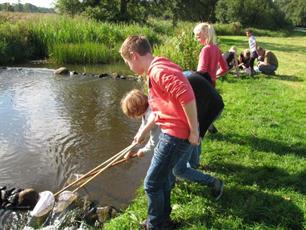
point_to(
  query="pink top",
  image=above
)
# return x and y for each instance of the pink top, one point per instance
(169, 90)
(209, 60)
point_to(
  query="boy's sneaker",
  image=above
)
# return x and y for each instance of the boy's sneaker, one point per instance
(218, 189)
(170, 224)
(212, 129)
(144, 225)
(167, 225)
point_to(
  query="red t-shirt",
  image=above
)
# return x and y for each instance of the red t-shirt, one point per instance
(209, 59)
(169, 90)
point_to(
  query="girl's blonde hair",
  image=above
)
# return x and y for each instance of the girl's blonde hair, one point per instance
(134, 103)
(208, 30)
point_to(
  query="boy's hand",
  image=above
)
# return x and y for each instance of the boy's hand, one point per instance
(129, 155)
(132, 154)
(139, 138)
(194, 138)
(140, 153)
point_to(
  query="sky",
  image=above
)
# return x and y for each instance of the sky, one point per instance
(40, 3)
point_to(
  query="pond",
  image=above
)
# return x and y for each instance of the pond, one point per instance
(54, 126)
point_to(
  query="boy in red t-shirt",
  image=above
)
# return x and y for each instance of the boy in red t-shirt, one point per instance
(172, 100)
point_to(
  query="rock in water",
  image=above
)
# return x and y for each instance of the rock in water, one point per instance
(61, 71)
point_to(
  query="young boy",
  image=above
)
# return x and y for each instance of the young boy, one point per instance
(252, 46)
(135, 105)
(172, 102)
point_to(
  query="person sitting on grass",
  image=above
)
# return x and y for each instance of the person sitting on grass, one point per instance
(244, 61)
(232, 59)
(268, 63)
(15, 199)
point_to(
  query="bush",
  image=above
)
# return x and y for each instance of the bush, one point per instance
(90, 53)
(183, 49)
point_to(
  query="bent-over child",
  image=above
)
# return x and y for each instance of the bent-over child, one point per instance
(232, 59)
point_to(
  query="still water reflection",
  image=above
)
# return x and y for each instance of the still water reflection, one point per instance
(51, 127)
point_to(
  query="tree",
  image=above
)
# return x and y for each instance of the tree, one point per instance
(259, 13)
(294, 10)
(117, 10)
(71, 7)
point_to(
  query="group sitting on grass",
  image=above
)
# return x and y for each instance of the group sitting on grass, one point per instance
(267, 62)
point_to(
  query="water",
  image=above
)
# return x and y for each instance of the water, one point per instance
(54, 126)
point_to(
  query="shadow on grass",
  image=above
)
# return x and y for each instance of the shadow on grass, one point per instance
(233, 79)
(266, 45)
(283, 48)
(253, 207)
(261, 144)
(285, 78)
(264, 176)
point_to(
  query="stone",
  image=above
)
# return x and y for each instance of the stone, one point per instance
(61, 71)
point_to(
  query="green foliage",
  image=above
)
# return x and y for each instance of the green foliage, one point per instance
(261, 13)
(295, 10)
(24, 8)
(14, 44)
(105, 10)
(50, 35)
(182, 48)
(91, 53)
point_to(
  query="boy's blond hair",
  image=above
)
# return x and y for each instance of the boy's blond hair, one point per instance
(134, 103)
(233, 49)
(135, 43)
(246, 52)
(207, 28)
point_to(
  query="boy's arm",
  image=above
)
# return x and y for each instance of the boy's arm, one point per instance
(190, 110)
(143, 133)
(149, 147)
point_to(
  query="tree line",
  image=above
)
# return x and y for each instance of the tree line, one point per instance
(268, 14)
(27, 7)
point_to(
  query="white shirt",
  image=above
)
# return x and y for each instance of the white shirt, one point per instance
(252, 43)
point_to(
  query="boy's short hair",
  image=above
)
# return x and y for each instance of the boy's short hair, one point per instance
(28, 198)
(248, 30)
(260, 49)
(134, 103)
(135, 43)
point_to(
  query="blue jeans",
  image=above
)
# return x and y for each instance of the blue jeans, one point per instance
(158, 182)
(184, 168)
(194, 161)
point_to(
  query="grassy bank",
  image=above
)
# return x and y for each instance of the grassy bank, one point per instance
(66, 40)
(259, 152)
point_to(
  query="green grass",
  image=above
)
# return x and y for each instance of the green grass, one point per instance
(259, 152)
